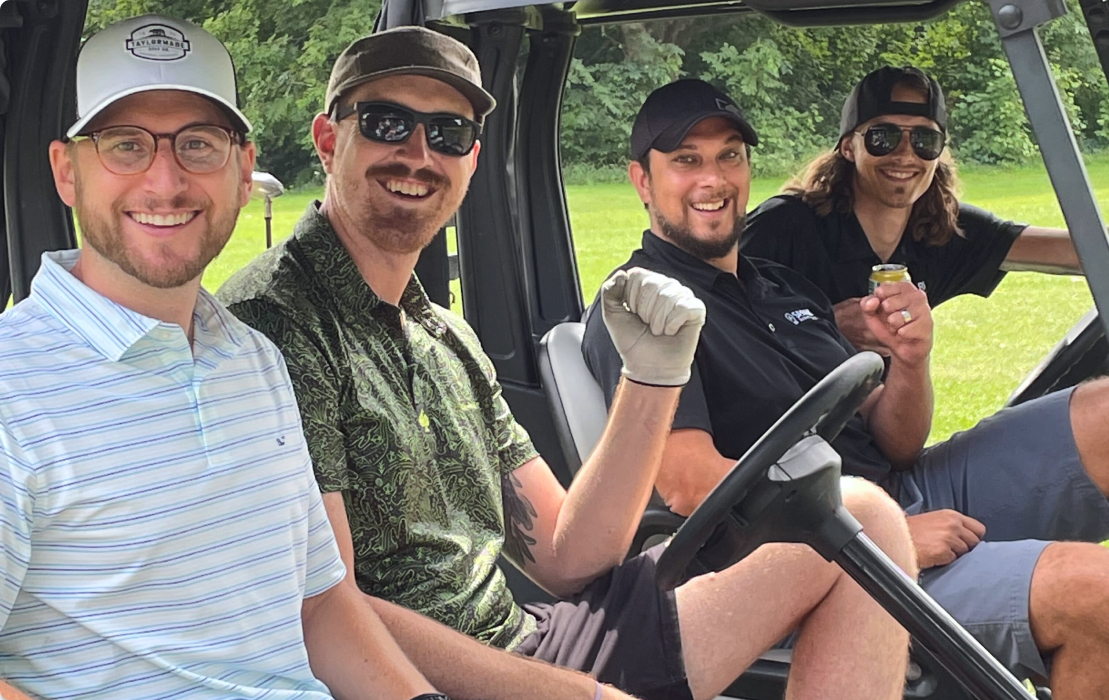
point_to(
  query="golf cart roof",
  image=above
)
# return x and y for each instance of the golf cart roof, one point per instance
(792, 12)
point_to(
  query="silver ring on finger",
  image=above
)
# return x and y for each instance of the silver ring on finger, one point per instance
(906, 315)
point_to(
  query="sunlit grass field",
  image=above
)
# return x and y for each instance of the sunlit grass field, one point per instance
(984, 347)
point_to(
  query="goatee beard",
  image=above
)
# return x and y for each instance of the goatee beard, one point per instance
(700, 248)
(402, 230)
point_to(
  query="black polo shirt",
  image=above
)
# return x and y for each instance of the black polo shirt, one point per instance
(833, 251)
(766, 341)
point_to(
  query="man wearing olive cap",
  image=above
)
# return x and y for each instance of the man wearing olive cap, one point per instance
(428, 478)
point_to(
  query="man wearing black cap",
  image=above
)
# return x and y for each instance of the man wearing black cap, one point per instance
(887, 194)
(983, 507)
(427, 477)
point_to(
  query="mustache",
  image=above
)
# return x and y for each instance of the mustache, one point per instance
(723, 193)
(401, 171)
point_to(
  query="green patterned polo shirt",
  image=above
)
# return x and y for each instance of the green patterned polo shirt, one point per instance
(404, 416)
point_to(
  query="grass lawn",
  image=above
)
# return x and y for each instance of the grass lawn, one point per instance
(984, 347)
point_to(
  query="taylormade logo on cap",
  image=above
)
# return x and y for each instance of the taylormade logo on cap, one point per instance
(158, 42)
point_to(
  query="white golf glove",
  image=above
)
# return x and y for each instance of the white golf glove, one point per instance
(655, 323)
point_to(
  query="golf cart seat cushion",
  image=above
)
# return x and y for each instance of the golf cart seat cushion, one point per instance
(576, 399)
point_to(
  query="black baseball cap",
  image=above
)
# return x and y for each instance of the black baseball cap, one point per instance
(871, 98)
(672, 110)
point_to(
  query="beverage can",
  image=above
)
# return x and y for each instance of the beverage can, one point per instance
(887, 273)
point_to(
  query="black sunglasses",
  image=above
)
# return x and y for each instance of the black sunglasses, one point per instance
(385, 122)
(883, 139)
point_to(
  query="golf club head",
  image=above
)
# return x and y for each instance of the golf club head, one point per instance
(266, 185)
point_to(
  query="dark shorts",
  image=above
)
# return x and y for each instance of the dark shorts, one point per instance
(621, 629)
(1018, 473)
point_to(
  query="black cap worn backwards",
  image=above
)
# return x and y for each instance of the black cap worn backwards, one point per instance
(672, 110)
(871, 98)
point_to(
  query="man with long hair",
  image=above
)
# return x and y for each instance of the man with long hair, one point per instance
(888, 193)
(1005, 517)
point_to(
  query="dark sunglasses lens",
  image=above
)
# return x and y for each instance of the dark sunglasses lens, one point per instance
(927, 143)
(386, 125)
(452, 136)
(882, 139)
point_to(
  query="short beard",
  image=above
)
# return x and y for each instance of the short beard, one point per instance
(697, 247)
(401, 230)
(105, 236)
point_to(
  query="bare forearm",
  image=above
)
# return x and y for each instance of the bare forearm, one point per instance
(10, 692)
(466, 669)
(594, 529)
(351, 651)
(1049, 250)
(902, 416)
(691, 469)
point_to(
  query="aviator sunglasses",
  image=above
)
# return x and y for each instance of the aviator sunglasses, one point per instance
(883, 139)
(385, 122)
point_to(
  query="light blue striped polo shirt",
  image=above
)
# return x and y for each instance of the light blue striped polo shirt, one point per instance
(159, 521)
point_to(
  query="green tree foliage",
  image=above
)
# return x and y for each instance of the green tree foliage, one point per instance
(791, 82)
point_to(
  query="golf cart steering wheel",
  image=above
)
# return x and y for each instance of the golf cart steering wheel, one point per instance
(823, 411)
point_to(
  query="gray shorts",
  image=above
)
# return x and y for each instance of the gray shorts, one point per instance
(1018, 473)
(622, 629)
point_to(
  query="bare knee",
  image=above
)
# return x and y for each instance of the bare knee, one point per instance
(882, 519)
(1070, 594)
(1089, 404)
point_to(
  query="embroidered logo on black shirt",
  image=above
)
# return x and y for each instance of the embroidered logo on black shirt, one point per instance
(796, 317)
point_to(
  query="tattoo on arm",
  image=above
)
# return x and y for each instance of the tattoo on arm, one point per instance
(519, 518)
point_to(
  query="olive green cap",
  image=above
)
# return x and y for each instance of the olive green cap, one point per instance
(410, 51)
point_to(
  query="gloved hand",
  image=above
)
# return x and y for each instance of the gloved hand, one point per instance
(655, 323)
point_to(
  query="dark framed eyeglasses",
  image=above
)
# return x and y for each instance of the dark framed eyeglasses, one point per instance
(385, 122)
(883, 139)
(130, 150)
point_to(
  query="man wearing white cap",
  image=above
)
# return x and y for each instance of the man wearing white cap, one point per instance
(161, 532)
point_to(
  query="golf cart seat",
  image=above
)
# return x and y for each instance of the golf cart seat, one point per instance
(576, 400)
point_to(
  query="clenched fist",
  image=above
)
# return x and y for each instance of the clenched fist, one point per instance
(655, 323)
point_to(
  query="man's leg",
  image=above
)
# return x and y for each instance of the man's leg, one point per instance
(1089, 413)
(1069, 613)
(1021, 472)
(1034, 472)
(847, 646)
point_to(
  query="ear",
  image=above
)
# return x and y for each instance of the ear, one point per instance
(62, 166)
(246, 179)
(473, 157)
(641, 180)
(847, 147)
(324, 135)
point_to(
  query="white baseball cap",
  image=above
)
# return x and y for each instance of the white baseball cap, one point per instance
(153, 52)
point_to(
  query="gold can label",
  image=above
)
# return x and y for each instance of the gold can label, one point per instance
(888, 273)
